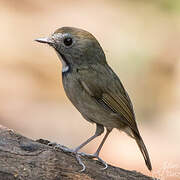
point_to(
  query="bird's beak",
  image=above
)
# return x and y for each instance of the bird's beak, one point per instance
(46, 40)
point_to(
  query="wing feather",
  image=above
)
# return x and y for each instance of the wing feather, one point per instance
(110, 94)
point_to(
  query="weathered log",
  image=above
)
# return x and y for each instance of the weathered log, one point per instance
(24, 159)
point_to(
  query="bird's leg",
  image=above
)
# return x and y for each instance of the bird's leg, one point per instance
(96, 154)
(99, 131)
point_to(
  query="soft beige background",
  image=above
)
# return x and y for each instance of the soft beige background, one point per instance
(141, 40)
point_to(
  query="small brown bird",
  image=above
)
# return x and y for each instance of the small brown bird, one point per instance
(93, 88)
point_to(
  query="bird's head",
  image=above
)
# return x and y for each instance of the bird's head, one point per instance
(75, 47)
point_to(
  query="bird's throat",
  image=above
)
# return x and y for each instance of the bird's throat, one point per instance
(65, 64)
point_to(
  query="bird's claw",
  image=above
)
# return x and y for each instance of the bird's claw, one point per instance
(66, 149)
(78, 155)
(59, 146)
(103, 162)
(80, 162)
(92, 156)
(63, 148)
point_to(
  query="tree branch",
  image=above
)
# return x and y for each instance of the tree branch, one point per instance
(24, 159)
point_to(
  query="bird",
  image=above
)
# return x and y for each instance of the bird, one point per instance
(94, 89)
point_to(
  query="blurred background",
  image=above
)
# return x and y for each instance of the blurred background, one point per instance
(141, 40)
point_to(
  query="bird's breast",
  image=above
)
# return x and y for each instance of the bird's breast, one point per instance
(75, 92)
(87, 105)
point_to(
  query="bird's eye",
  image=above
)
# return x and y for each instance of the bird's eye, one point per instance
(68, 41)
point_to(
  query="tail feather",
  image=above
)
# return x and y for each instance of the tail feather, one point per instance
(143, 150)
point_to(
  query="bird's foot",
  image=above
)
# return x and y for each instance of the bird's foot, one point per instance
(78, 155)
(78, 158)
(68, 150)
(59, 146)
(92, 156)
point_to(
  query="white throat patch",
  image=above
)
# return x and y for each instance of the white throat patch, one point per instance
(65, 67)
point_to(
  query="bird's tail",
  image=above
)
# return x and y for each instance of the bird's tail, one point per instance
(143, 150)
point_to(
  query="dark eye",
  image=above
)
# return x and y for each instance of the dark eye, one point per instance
(68, 41)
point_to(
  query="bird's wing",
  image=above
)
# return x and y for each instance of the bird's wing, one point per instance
(105, 87)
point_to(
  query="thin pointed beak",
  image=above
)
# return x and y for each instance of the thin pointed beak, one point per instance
(46, 40)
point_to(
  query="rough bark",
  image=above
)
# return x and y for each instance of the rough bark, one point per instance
(24, 159)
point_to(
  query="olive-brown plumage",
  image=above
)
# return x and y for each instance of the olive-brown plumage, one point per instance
(93, 88)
